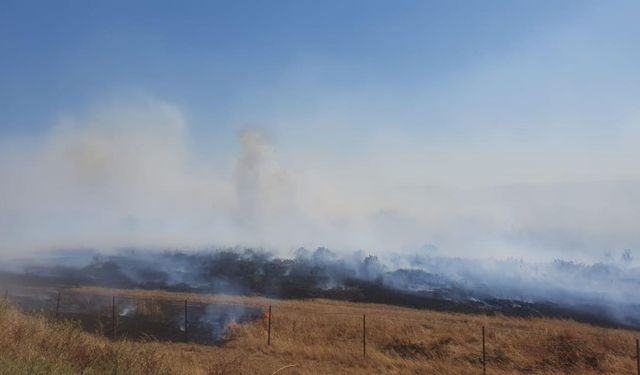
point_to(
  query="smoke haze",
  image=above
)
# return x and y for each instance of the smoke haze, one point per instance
(127, 174)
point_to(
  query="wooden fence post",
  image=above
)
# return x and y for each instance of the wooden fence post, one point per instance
(6, 294)
(638, 355)
(484, 358)
(113, 316)
(364, 335)
(57, 304)
(269, 329)
(186, 322)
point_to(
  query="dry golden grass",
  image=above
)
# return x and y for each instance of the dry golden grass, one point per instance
(31, 344)
(325, 337)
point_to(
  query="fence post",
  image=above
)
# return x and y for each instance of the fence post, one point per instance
(57, 304)
(638, 355)
(113, 316)
(186, 322)
(484, 358)
(269, 329)
(6, 294)
(364, 335)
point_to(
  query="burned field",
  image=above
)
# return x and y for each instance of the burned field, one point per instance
(576, 291)
(321, 336)
(417, 320)
(136, 319)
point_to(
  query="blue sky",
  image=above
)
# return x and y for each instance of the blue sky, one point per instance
(360, 123)
(215, 57)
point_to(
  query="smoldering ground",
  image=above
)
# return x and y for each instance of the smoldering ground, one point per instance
(131, 176)
(601, 293)
(135, 318)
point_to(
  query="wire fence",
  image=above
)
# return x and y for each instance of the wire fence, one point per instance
(198, 321)
(120, 317)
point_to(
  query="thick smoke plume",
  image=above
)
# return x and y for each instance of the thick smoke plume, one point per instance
(133, 174)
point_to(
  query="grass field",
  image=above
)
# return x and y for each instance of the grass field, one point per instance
(322, 337)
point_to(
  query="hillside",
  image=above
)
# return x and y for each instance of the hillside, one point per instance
(320, 337)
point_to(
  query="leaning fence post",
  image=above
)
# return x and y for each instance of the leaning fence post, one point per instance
(269, 329)
(638, 355)
(364, 335)
(186, 322)
(113, 316)
(484, 358)
(57, 304)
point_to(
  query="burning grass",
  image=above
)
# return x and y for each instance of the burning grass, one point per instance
(324, 337)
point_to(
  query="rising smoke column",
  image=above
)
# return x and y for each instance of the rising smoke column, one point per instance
(263, 187)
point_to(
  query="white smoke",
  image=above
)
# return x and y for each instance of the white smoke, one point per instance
(121, 175)
(125, 175)
(264, 189)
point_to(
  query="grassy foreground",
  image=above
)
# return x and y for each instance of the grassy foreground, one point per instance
(323, 337)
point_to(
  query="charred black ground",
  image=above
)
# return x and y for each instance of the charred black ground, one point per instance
(136, 318)
(318, 274)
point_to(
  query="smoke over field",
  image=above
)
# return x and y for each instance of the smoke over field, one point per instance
(415, 155)
(602, 293)
(131, 176)
(134, 174)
